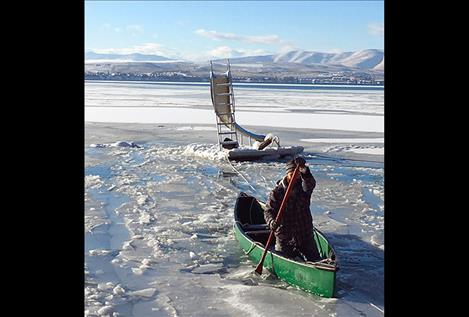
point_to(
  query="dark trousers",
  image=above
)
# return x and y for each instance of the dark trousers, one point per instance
(302, 245)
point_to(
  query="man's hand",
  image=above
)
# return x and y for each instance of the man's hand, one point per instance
(273, 225)
(300, 161)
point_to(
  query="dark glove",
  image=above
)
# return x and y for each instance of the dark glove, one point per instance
(273, 225)
(300, 161)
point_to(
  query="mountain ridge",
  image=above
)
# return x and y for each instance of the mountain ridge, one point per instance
(363, 59)
(368, 59)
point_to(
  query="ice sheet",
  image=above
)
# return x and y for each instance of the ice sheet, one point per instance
(163, 235)
(153, 103)
(197, 116)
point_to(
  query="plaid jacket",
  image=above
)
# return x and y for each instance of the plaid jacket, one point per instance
(296, 219)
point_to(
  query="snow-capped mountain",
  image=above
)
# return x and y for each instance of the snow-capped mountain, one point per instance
(380, 66)
(364, 59)
(293, 64)
(369, 59)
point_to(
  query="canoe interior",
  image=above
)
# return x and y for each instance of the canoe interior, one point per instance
(252, 234)
(249, 211)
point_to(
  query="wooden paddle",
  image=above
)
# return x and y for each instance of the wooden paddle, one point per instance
(278, 218)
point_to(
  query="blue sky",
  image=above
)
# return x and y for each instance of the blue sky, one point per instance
(200, 30)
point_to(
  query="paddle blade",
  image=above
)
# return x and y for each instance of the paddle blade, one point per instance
(259, 269)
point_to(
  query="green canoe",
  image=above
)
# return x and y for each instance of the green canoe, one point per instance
(252, 234)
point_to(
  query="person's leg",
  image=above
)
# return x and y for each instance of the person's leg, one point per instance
(307, 245)
(285, 245)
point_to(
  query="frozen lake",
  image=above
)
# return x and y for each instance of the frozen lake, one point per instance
(158, 219)
(351, 110)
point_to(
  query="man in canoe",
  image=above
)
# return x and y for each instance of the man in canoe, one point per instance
(294, 233)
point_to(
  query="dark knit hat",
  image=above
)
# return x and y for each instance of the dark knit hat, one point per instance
(290, 167)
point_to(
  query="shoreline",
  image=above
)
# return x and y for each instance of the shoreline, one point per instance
(247, 84)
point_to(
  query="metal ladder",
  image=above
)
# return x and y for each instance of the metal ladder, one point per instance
(225, 128)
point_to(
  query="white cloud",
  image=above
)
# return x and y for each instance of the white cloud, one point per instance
(287, 48)
(250, 52)
(216, 35)
(222, 52)
(195, 57)
(106, 27)
(135, 29)
(264, 39)
(252, 39)
(333, 50)
(327, 50)
(145, 48)
(376, 29)
(228, 52)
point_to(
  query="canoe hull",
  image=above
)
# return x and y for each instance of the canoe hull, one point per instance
(319, 279)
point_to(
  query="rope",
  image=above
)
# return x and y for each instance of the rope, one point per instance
(333, 158)
(265, 181)
(241, 174)
(377, 307)
(253, 247)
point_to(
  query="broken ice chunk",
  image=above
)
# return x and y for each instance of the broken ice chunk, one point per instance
(147, 292)
(106, 310)
(118, 290)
